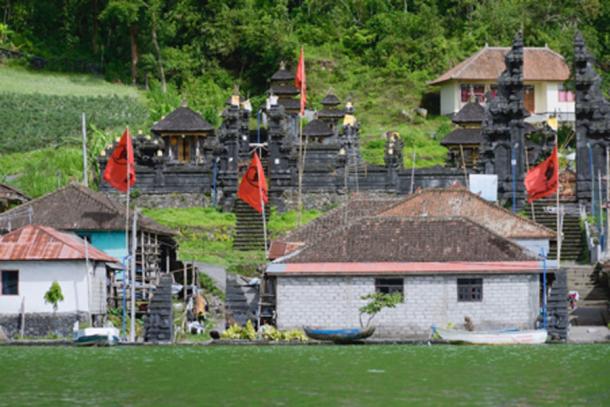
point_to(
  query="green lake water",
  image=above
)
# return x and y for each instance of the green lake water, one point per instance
(375, 375)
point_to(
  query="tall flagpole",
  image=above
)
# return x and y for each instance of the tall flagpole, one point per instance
(134, 244)
(260, 194)
(126, 271)
(301, 165)
(558, 210)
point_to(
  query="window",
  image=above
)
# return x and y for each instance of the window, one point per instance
(389, 285)
(467, 90)
(10, 282)
(470, 289)
(565, 95)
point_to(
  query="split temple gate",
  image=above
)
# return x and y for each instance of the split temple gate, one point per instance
(187, 155)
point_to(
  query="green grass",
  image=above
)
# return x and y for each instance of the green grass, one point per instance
(206, 234)
(41, 171)
(15, 79)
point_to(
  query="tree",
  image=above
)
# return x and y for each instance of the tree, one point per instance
(378, 301)
(126, 12)
(54, 296)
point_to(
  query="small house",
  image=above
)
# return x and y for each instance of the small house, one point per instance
(10, 197)
(544, 74)
(31, 259)
(446, 269)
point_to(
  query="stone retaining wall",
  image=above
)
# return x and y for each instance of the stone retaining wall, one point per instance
(42, 324)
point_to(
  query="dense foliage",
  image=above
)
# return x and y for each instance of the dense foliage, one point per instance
(193, 44)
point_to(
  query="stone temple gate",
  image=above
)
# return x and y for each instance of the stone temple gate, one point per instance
(186, 155)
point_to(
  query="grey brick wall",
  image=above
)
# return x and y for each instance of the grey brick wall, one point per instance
(508, 301)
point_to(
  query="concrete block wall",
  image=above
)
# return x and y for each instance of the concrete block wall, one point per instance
(508, 301)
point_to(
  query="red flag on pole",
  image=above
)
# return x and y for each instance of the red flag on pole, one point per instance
(300, 82)
(253, 188)
(543, 179)
(120, 171)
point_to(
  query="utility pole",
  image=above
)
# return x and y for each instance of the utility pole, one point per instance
(85, 172)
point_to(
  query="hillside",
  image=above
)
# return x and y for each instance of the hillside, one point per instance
(40, 136)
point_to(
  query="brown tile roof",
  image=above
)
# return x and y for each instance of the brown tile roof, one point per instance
(355, 209)
(35, 242)
(401, 239)
(539, 64)
(463, 203)
(182, 119)
(472, 112)
(76, 207)
(463, 136)
(13, 194)
(317, 128)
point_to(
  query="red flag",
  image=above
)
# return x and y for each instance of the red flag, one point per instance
(121, 163)
(253, 188)
(543, 179)
(300, 82)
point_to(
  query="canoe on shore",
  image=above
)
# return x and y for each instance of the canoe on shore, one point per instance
(96, 337)
(506, 337)
(339, 335)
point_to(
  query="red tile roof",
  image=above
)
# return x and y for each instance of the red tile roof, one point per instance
(36, 242)
(388, 268)
(539, 64)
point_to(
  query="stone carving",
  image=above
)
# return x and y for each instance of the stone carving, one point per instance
(502, 150)
(592, 121)
(159, 323)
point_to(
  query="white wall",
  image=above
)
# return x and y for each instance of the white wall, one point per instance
(533, 245)
(508, 301)
(450, 97)
(35, 278)
(553, 103)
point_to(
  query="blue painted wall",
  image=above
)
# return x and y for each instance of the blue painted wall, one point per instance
(111, 243)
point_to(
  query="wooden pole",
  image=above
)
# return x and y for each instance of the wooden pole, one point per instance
(527, 167)
(126, 271)
(300, 175)
(601, 210)
(607, 198)
(85, 172)
(134, 246)
(260, 194)
(558, 210)
(184, 282)
(22, 327)
(412, 172)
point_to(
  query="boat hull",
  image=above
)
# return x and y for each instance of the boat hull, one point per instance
(513, 337)
(96, 337)
(339, 335)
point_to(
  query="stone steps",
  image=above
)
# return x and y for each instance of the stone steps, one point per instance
(249, 233)
(592, 306)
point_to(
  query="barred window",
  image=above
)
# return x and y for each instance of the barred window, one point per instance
(390, 285)
(470, 289)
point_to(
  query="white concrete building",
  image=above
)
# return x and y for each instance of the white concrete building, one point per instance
(31, 259)
(445, 268)
(545, 72)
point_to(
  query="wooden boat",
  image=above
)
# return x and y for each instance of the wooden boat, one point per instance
(339, 335)
(96, 337)
(503, 337)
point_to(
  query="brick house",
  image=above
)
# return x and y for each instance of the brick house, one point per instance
(446, 269)
(435, 202)
(544, 74)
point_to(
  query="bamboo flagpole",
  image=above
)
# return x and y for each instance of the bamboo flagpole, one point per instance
(134, 245)
(300, 83)
(260, 193)
(607, 200)
(558, 210)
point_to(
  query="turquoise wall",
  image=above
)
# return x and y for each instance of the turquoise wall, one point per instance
(111, 243)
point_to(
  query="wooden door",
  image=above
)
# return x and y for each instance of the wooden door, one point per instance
(529, 99)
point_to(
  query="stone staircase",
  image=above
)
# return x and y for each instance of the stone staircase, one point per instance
(592, 307)
(545, 214)
(249, 234)
(241, 301)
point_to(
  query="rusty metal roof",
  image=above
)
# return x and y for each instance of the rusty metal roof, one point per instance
(36, 242)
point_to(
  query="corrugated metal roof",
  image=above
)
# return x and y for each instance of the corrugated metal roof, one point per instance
(372, 268)
(36, 242)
